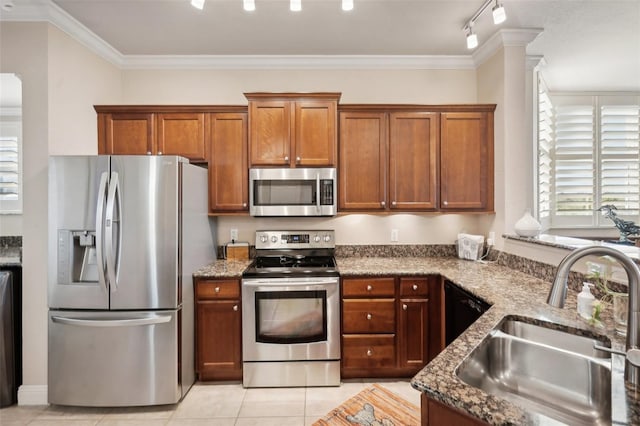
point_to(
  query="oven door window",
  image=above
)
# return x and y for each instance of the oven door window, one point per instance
(291, 316)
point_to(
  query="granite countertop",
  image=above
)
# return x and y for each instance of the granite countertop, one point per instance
(511, 293)
(10, 256)
(223, 269)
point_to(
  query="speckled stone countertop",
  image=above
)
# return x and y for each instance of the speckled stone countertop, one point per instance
(223, 269)
(511, 293)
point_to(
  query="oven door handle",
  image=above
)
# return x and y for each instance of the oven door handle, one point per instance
(273, 283)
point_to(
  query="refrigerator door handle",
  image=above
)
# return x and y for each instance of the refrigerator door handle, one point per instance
(113, 200)
(128, 322)
(102, 188)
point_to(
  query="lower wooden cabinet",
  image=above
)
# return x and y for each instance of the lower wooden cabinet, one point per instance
(218, 330)
(391, 326)
(435, 413)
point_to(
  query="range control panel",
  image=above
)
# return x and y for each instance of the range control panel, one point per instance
(309, 239)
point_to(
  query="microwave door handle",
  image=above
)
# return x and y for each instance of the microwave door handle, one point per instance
(318, 195)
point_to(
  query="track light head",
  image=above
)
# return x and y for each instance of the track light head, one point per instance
(198, 4)
(295, 5)
(347, 5)
(472, 38)
(499, 14)
(249, 5)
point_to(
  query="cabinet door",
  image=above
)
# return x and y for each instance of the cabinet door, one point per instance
(228, 171)
(219, 350)
(127, 134)
(413, 154)
(362, 161)
(315, 133)
(270, 132)
(182, 134)
(413, 333)
(466, 161)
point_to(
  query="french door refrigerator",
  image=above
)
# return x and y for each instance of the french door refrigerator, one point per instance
(126, 234)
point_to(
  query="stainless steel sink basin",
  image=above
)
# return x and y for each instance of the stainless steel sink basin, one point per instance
(554, 373)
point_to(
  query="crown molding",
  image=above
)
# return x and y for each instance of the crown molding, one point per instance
(297, 62)
(520, 37)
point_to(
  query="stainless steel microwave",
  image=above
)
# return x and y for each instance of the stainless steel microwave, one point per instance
(292, 192)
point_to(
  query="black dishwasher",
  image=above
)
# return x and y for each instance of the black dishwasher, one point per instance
(461, 310)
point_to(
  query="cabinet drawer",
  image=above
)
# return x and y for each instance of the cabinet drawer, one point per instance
(370, 351)
(418, 287)
(368, 287)
(369, 316)
(223, 289)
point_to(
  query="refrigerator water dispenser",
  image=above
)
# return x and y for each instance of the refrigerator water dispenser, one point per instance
(77, 261)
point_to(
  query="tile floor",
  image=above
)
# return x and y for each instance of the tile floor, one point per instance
(219, 404)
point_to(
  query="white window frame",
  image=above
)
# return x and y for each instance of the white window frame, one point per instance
(594, 221)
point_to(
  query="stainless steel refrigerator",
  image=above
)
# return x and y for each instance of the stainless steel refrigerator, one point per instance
(125, 235)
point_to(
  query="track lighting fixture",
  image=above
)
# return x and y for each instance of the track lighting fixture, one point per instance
(347, 5)
(295, 5)
(198, 4)
(249, 5)
(499, 16)
(472, 38)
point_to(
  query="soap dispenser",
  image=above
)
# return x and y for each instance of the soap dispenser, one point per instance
(585, 301)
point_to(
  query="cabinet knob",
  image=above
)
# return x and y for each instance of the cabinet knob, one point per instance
(159, 152)
(244, 205)
(369, 288)
(148, 152)
(382, 203)
(235, 307)
(369, 352)
(404, 307)
(217, 290)
(393, 203)
(298, 159)
(446, 203)
(368, 316)
(415, 287)
(286, 158)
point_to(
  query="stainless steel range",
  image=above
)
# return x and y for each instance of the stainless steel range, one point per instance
(291, 311)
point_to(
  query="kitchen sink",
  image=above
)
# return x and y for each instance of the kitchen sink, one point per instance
(551, 372)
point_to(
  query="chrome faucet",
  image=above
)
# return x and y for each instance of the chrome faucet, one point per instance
(558, 295)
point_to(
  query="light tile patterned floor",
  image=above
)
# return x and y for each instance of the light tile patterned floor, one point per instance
(211, 404)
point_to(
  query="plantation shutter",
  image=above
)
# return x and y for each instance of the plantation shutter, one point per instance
(9, 169)
(620, 156)
(574, 162)
(545, 146)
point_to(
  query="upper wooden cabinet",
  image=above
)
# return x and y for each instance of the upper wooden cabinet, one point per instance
(293, 129)
(228, 171)
(145, 130)
(388, 161)
(466, 161)
(416, 158)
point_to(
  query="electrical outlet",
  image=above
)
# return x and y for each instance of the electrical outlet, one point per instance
(491, 239)
(394, 235)
(234, 234)
(596, 268)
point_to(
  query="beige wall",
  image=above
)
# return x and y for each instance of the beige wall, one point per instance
(356, 86)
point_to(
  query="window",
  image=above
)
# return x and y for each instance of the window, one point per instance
(588, 156)
(10, 143)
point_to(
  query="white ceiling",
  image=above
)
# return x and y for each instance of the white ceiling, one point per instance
(586, 44)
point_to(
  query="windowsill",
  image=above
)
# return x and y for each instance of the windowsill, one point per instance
(570, 243)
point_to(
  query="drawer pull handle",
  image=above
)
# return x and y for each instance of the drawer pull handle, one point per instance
(217, 290)
(368, 316)
(369, 288)
(415, 287)
(369, 352)
(235, 308)
(404, 306)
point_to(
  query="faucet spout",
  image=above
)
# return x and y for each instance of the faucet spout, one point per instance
(558, 295)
